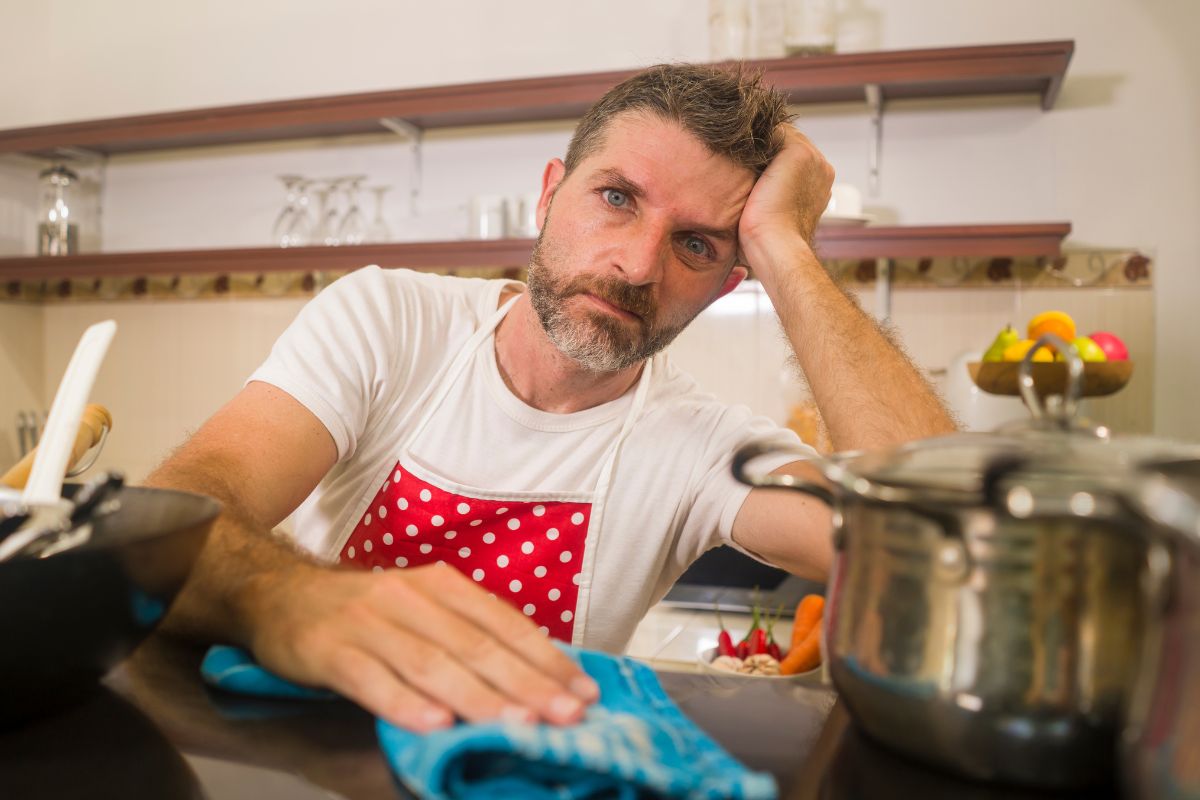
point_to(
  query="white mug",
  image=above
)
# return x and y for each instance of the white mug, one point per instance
(520, 216)
(845, 200)
(485, 217)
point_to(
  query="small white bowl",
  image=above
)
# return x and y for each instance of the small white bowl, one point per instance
(706, 657)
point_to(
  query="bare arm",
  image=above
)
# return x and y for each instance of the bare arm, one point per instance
(413, 646)
(869, 393)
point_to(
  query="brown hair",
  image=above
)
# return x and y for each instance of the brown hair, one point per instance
(730, 110)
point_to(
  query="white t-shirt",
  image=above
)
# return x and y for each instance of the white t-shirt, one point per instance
(361, 355)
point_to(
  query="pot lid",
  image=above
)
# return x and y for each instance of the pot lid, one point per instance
(1050, 458)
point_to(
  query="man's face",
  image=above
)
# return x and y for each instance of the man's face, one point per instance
(643, 238)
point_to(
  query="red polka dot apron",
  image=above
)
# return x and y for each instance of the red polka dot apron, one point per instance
(534, 550)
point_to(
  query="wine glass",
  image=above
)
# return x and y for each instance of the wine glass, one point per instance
(279, 231)
(379, 231)
(330, 212)
(298, 232)
(323, 233)
(353, 226)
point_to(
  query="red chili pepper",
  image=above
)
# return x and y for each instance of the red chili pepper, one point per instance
(758, 642)
(774, 652)
(724, 640)
(743, 649)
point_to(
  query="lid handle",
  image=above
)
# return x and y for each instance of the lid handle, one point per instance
(1070, 401)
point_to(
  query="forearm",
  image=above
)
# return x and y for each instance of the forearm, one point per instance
(241, 566)
(869, 393)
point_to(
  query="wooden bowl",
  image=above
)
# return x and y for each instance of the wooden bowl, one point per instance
(1099, 378)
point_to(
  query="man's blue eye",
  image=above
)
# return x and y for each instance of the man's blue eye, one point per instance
(696, 245)
(614, 197)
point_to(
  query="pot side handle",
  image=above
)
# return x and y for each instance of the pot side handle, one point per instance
(753, 450)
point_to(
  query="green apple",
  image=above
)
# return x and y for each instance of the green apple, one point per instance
(1005, 339)
(1087, 349)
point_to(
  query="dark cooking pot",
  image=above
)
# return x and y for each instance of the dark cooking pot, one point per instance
(68, 618)
(989, 599)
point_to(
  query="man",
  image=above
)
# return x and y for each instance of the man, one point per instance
(514, 466)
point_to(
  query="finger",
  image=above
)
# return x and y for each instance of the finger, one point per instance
(367, 681)
(497, 658)
(517, 632)
(502, 666)
(437, 673)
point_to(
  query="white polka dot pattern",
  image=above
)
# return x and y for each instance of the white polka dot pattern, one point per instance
(406, 527)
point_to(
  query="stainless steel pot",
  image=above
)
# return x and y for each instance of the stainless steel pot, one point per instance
(1161, 748)
(987, 606)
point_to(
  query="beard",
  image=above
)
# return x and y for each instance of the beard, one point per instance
(597, 341)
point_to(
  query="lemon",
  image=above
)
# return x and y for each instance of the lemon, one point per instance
(1016, 352)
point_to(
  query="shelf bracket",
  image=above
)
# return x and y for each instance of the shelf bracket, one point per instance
(413, 135)
(874, 95)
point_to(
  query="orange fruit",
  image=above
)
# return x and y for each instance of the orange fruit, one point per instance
(1016, 352)
(1056, 322)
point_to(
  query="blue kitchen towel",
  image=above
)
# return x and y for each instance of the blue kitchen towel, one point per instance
(634, 742)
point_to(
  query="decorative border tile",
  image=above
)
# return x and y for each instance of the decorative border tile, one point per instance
(1072, 269)
(1112, 269)
(209, 286)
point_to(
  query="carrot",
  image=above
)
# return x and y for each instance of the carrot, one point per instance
(808, 616)
(803, 656)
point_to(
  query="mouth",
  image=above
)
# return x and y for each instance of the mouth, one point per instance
(610, 308)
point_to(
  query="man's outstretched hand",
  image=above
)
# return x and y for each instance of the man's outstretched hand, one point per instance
(416, 646)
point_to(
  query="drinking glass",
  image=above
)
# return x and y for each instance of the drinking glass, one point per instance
(327, 213)
(299, 227)
(379, 231)
(353, 225)
(279, 231)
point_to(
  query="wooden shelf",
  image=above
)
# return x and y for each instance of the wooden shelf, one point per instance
(833, 243)
(1030, 68)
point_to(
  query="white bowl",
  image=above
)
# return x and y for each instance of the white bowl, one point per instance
(706, 657)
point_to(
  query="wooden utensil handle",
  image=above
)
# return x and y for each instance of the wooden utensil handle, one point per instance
(91, 427)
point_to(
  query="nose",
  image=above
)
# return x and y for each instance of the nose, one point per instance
(643, 254)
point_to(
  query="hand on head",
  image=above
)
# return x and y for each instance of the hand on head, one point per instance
(789, 197)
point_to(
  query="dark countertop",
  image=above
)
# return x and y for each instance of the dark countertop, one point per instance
(154, 730)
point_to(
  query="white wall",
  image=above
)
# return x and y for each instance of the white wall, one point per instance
(1116, 157)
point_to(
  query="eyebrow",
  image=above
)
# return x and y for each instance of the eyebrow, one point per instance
(620, 182)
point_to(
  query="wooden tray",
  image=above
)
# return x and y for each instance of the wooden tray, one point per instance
(1099, 378)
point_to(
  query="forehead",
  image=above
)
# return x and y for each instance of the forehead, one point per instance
(674, 168)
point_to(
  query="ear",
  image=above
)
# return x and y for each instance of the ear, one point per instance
(552, 176)
(735, 277)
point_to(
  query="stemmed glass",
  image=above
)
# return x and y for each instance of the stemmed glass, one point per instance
(298, 229)
(379, 230)
(327, 213)
(353, 225)
(283, 222)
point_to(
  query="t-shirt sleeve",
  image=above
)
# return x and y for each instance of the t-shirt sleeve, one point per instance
(718, 496)
(335, 356)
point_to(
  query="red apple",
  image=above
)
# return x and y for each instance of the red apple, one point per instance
(1111, 344)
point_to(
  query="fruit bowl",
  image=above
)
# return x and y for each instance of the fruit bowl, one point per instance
(1100, 378)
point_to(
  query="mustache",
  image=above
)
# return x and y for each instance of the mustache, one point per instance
(637, 300)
